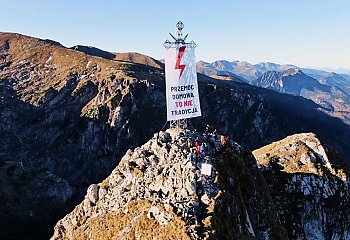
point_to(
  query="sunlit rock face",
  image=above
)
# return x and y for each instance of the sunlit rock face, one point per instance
(310, 186)
(159, 190)
(296, 189)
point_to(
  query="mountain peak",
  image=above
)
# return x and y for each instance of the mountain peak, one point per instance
(292, 71)
(291, 81)
(309, 184)
(164, 189)
(168, 190)
(302, 153)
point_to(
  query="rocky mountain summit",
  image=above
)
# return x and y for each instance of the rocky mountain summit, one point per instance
(298, 189)
(158, 191)
(309, 185)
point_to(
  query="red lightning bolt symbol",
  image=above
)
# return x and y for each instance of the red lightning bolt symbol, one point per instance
(178, 60)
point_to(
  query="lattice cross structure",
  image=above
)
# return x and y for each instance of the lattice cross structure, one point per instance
(179, 124)
(178, 40)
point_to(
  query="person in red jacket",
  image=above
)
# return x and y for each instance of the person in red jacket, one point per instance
(197, 143)
(198, 150)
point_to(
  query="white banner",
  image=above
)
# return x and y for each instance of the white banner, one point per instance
(206, 169)
(181, 83)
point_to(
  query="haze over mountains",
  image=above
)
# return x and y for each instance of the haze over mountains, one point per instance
(250, 71)
(69, 115)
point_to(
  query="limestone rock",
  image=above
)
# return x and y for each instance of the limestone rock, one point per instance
(160, 216)
(305, 177)
(205, 199)
(93, 193)
(165, 184)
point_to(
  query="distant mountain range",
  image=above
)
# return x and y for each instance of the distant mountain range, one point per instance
(250, 71)
(337, 70)
(328, 89)
(243, 69)
(341, 81)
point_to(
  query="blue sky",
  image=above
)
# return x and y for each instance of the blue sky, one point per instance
(307, 33)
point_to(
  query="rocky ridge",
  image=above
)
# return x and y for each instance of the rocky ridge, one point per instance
(131, 57)
(298, 189)
(158, 191)
(310, 186)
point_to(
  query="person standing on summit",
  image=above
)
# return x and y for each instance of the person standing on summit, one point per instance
(196, 142)
(189, 143)
(202, 149)
(223, 139)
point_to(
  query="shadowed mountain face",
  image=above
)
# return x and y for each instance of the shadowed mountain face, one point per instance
(68, 117)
